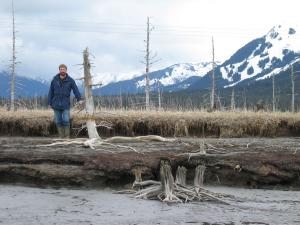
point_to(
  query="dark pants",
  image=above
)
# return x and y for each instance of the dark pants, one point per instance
(62, 117)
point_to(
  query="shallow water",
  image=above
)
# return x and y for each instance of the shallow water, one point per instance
(25, 205)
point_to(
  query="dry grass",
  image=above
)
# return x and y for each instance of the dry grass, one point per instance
(166, 123)
(26, 122)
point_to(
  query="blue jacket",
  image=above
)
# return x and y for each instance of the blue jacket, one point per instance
(60, 90)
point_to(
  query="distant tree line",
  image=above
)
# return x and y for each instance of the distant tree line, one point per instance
(263, 95)
(182, 101)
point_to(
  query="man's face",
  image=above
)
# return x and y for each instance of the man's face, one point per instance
(62, 72)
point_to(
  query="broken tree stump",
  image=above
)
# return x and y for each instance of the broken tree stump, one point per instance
(176, 192)
(199, 176)
(181, 175)
(167, 183)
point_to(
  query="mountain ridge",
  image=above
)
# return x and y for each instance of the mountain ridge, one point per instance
(259, 59)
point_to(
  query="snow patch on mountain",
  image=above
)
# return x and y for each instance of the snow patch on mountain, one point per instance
(178, 73)
(142, 83)
(276, 71)
(42, 80)
(106, 78)
(181, 72)
(276, 44)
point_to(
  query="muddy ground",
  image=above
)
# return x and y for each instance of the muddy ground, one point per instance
(245, 162)
(48, 206)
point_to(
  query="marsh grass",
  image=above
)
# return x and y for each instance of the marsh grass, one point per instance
(164, 123)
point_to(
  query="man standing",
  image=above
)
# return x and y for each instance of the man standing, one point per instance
(59, 100)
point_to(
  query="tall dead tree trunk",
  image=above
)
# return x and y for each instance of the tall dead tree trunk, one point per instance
(121, 100)
(89, 102)
(273, 96)
(147, 87)
(13, 64)
(245, 100)
(219, 105)
(293, 89)
(159, 96)
(35, 101)
(213, 85)
(149, 60)
(232, 100)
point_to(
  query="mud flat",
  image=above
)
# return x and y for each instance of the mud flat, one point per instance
(243, 162)
(48, 206)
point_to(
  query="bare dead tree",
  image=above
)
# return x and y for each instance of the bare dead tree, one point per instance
(35, 101)
(273, 98)
(213, 81)
(150, 59)
(245, 100)
(232, 100)
(293, 89)
(147, 87)
(159, 96)
(121, 99)
(219, 105)
(13, 63)
(89, 102)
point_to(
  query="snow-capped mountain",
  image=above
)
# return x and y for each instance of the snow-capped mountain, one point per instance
(43, 81)
(177, 73)
(24, 86)
(274, 53)
(253, 63)
(168, 78)
(271, 54)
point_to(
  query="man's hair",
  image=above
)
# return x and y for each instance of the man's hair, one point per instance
(63, 65)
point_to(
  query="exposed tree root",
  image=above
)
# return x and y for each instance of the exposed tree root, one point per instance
(118, 139)
(63, 142)
(204, 148)
(175, 192)
(145, 183)
(96, 143)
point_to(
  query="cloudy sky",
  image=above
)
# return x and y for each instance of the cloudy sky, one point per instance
(51, 32)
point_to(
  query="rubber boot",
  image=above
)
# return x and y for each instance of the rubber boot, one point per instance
(61, 132)
(67, 132)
